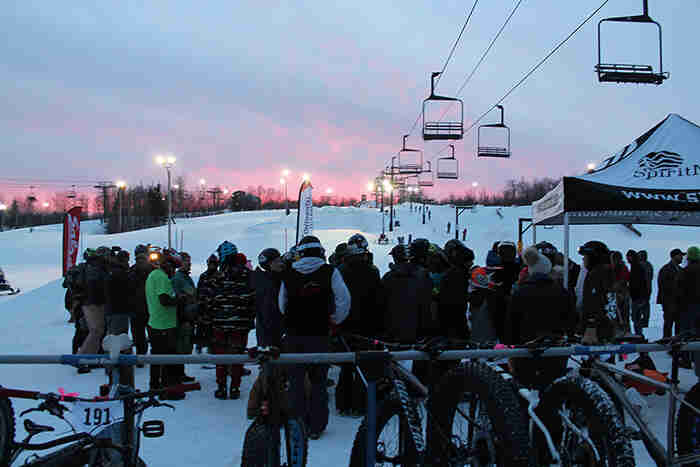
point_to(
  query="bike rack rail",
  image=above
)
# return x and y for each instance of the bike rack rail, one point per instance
(367, 359)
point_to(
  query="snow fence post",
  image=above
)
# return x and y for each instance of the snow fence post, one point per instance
(372, 363)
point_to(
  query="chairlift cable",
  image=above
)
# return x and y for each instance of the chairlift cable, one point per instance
(529, 73)
(449, 57)
(540, 63)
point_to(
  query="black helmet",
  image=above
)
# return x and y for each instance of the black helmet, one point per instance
(507, 251)
(418, 249)
(310, 246)
(457, 253)
(547, 249)
(213, 259)
(267, 256)
(400, 253)
(140, 250)
(357, 244)
(597, 251)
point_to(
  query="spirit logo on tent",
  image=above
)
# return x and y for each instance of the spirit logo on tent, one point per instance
(664, 164)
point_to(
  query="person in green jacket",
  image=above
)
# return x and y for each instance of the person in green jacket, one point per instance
(162, 309)
(184, 288)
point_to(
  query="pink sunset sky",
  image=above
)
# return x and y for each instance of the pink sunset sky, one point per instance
(237, 93)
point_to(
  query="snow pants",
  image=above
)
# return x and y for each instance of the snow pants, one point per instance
(314, 409)
(164, 341)
(95, 317)
(229, 341)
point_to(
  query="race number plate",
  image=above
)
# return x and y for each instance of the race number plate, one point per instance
(89, 416)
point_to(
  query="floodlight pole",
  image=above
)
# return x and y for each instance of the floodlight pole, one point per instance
(170, 209)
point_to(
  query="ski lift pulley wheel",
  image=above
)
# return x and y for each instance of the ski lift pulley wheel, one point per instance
(494, 151)
(439, 130)
(628, 73)
(448, 167)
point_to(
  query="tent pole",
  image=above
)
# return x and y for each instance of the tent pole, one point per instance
(566, 250)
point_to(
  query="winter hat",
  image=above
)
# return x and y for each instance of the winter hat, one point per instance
(226, 249)
(267, 256)
(693, 253)
(481, 279)
(536, 261)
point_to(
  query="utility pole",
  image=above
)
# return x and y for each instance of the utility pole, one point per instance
(104, 186)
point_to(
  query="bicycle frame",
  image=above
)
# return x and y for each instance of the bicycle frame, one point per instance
(660, 455)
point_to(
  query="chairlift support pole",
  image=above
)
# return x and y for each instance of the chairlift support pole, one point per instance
(459, 209)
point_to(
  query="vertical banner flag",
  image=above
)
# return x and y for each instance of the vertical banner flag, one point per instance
(71, 238)
(305, 213)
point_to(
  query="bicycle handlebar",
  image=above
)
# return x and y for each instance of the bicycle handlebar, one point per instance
(52, 396)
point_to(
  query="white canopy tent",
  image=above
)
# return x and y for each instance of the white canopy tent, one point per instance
(653, 180)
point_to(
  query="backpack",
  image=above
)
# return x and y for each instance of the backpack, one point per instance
(644, 365)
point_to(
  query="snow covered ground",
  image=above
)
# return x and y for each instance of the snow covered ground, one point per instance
(208, 432)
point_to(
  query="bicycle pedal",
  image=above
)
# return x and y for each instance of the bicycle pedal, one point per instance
(632, 434)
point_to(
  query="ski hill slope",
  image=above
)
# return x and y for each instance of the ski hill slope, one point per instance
(208, 432)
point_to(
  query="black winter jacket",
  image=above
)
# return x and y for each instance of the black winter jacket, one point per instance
(540, 307)
(138, 273)
(117, 291)
(408, 291)
(689, 285)
(596, 289)
(639, 289)
(268, 319)
(96, 275)
(668, 275)
(365, 287)
(452, 303)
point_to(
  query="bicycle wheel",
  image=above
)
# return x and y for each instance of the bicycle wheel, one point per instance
(7, 430)
(477, 420)
(688, 425)
(262, 443)
(395, 443)
(585, 424)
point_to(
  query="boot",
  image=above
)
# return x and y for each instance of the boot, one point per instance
(221, 391)
(234, 393)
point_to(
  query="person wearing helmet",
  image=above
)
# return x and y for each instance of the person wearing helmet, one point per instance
(187, 312)
(336, 259)
(232, 314)
(93, 308)
(138, 273)
(598, 301)
(206, 286)
(313, 298)
(399, 254)
(162, 310)
(481, 288)
(407, 294)
(75, 284)
(453, 296)
(267, 280)
(364, 284)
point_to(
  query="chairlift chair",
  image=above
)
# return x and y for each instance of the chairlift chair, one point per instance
(626, 73)
(439, 130)
(448, 167)
(425, 178)
(494, 151)
(410, 160)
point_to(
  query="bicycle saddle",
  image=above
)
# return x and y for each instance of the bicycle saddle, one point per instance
(34, 428)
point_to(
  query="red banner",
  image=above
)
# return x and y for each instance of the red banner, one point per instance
(71, 238)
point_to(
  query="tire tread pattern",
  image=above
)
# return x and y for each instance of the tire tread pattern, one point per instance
(7, 413)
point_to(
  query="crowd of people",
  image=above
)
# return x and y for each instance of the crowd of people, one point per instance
(301, 303)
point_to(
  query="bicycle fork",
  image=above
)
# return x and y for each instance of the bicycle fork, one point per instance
(533, 400)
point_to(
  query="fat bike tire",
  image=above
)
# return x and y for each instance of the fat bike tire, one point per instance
(262, 446)
(595, 416)
(7, 430)
(688, 425)
(477, 419)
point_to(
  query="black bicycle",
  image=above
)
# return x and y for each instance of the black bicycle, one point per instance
(471, 416)
(276, 438)
(105, 431)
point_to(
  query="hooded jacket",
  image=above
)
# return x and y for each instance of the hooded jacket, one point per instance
(408, 292)
(317, 297)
